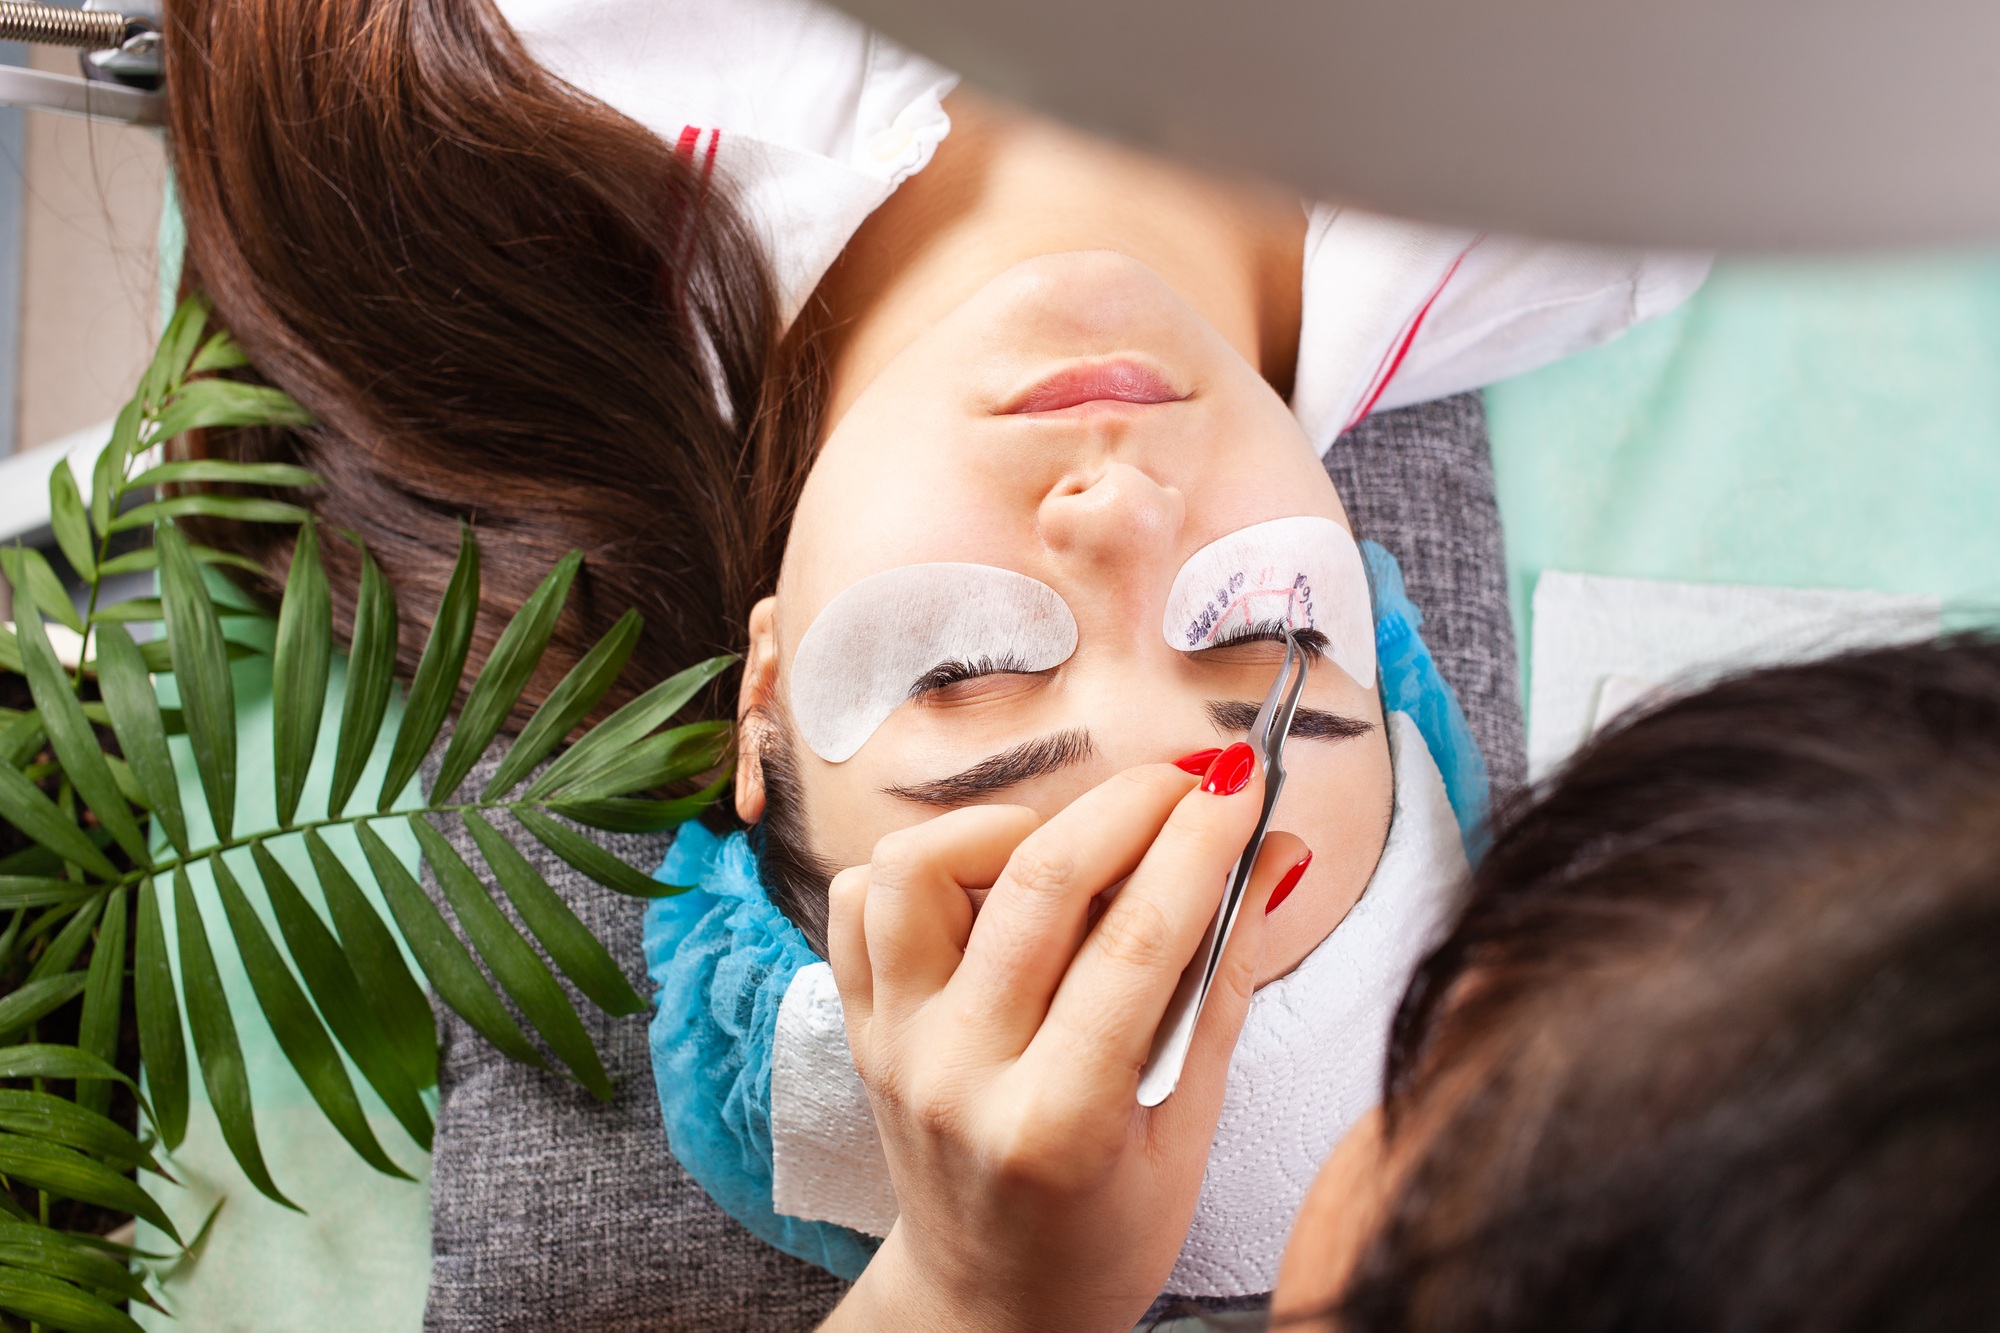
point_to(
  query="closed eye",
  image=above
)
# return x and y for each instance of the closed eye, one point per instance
(946, 674)
(1312, 641)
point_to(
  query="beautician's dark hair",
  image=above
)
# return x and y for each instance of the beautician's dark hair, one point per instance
(1716, 1041)
(505, 304)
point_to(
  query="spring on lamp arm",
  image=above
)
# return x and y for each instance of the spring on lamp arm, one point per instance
(50, 25)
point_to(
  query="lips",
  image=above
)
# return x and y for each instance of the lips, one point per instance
(1096, 382)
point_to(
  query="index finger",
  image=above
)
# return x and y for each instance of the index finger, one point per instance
(1036, 916)
(1116, 992)
(917, 912)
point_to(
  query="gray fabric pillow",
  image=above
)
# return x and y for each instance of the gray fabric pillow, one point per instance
(549, 1208)
(1420, 481)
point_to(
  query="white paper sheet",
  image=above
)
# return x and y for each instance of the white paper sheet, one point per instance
(1604, 644)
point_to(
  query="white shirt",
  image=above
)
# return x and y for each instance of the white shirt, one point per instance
(812, 121)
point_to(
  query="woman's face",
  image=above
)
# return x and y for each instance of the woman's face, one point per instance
(1073, 421)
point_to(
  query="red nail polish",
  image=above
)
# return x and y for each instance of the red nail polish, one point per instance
(1198, 762)
(1230, 773)
(1288, 883)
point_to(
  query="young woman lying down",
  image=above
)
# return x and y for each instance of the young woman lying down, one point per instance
(995, 449)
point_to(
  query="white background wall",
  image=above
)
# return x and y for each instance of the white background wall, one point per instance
(89, 291)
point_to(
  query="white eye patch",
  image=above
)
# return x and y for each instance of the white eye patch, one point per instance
(1301, 573)
(874, 642)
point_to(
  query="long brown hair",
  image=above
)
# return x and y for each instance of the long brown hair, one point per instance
(504, 303)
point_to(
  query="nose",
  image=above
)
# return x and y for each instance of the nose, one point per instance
(1114, 529)
(1110, 517)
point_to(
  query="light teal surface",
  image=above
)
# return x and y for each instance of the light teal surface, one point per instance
(358, 1257)
(1806, 425)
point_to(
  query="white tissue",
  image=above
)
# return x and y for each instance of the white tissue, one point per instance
(1302, 573)
(1308, 1065)
(876, 639)
(826, 1158)
(1603, 644)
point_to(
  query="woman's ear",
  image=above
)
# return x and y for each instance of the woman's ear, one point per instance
(755, 707)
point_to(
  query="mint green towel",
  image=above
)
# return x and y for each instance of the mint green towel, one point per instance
(1798, 424)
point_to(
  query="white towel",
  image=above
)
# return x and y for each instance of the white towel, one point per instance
(1604, 644)
(1308, 1065)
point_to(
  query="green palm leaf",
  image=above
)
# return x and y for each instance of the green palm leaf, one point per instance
(239, 508)
(35, 583)
(624, 815)
(21, 739)
(40, 1115)
(586, 856)
(337, 992)
(36, 1000)
(300, 663)
(206, 404)
(41, 891)
(567, 704)
(226, 471)
(104, 991)
(201, 667)
(567, 940)
(70, 735)
(40, 1250)
(215, 1044)
(147, 558)
(46, 1300)
(629, 724)
(218, 353)
(371, 671)
(110, 467)
(520, 970)
(394, 995)
(64, 948)
(445, 961)
(71, 524)
(513, 659)
(178, 343)
(139, 610)
(134, 711)
(658, 761)
(162, 1045)
(41, 1060)
(297, 1028)
(438, 671)
(69, 1173)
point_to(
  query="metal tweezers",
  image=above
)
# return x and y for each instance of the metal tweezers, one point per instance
(1170, 1045)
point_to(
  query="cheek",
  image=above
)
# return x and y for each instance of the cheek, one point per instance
(847, 812)
(1344, 794)
(1338, 799)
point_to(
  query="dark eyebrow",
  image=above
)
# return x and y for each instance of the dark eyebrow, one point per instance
(1030, 759)
(1311, 724)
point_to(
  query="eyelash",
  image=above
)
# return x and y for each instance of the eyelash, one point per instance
(1274, 631)
(946, 674)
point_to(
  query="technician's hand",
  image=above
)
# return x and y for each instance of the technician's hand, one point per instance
(1002, 1050)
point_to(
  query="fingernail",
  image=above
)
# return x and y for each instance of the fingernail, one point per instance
(1230, 773)
(1198, 762)
(1288, 883)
